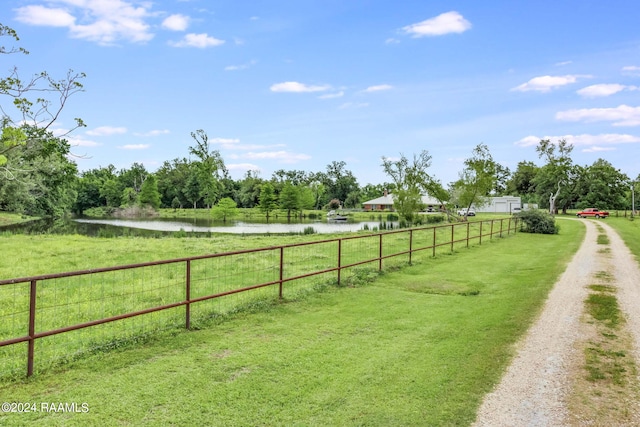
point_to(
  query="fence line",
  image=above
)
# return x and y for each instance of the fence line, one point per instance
(56, 304)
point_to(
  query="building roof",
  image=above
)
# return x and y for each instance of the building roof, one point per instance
(384, 200)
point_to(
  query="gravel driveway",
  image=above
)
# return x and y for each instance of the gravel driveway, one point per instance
(535, 388)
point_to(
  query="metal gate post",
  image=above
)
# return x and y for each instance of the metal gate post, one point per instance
(410, 245)
(187, 296)
(380, 255)
(32, 328)
(281, 270)
(339, 259)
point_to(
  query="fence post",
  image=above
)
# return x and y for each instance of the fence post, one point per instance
(410, 245)
(452, 238)
(480, 243)
(188, 296)
(32, 328)
(434, 242)
(501, 220)
(339, 259)
(281, 270)
(380, 254)
(468, 226)
(491, 231)
(509, 227)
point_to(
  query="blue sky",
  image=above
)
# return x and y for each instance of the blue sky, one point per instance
(297, 84)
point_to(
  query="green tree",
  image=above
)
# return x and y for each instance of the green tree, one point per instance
(149, 194)
(36, 175)
(289, 198)
(175, 203)
(249, 194)
(307, 198)
(410, 179)
(225, 208)
(556, 182)
(319, 190)
(112, 192)
(503, 175)
(268, 199)
(477, 179)
(45, 182)
(210, 166)
(172, 178)
(129, 197)
(339, 181)
(603, 186)
(192, 189)
(522, 181)
(133, 177)
(89, 187)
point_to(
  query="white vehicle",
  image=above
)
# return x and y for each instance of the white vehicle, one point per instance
(462, 212)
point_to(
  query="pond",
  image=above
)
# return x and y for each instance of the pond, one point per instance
(154, 226)
(234, 227)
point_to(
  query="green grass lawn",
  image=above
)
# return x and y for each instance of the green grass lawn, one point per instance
(417, 346)
(68, 301)
(629, 232)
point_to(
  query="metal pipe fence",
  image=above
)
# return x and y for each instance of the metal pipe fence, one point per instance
(65, 315)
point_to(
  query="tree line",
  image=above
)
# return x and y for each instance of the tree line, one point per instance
(38, 174)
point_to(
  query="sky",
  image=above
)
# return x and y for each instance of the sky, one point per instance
(298, 84)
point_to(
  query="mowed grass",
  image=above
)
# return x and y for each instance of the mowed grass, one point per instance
(629, 232)
(70, 301)
(418, 346)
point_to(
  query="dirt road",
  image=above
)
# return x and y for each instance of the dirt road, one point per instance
(539, 385)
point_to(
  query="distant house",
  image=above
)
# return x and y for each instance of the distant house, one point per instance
(385, 203)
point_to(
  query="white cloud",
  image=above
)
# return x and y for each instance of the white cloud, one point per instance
(153, 133)
(103, 22)
(622, 115)
(106, 131)
(197, 40)
(546, 83)
(243, 167)
(588, 140)
(176, 22)
(282, 156)
(528, 141)
(298, 87)
(353, 105)
(78, 141)
(563, 63)
(240, 67)
(391, 41)
(135, 146)
(332, 95)
(599, 90)
(40, 15)
(449, 22)
(378, 88)
(225, 140)
(597, 149)
(633, 70)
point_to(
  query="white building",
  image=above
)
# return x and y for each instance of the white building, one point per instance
(503, 204)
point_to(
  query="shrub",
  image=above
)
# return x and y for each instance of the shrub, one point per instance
(537, 222)
(309, 230)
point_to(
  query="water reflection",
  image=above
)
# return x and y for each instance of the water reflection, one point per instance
(235, 227)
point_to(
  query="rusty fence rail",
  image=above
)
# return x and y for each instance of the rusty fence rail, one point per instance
(68, 314)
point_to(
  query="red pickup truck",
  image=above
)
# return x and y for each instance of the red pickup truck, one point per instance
(592, 213)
